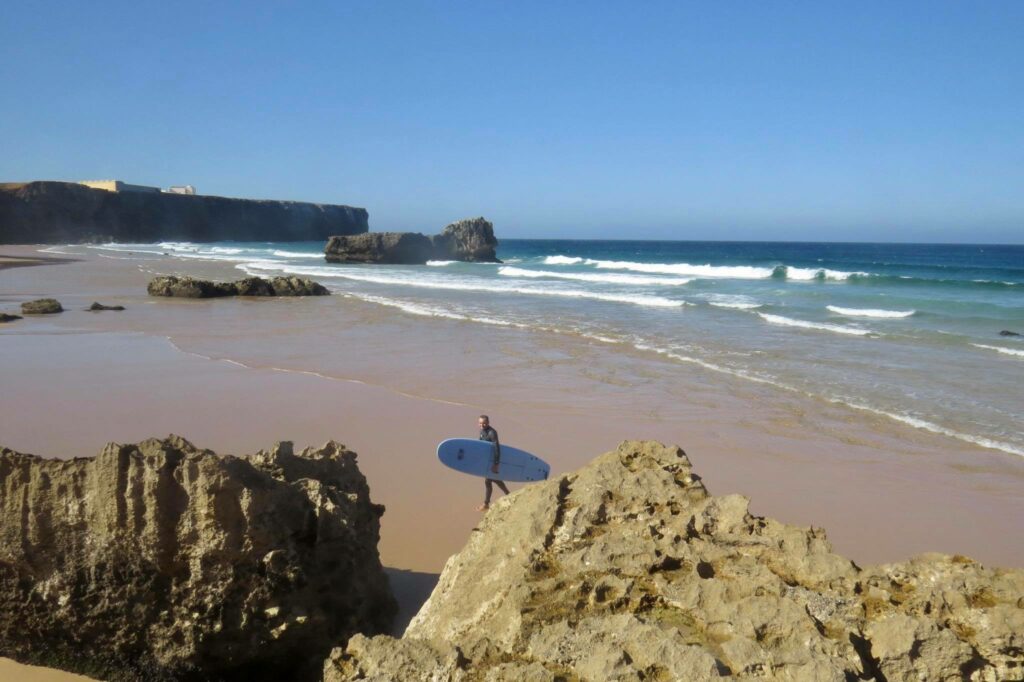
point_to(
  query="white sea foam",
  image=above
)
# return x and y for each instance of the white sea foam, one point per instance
(1007, 351)
(562, 260)
(869, 312)
(736, 302)
(439, 263)
(822, 326)
(609, 278)
(452, 284)
(294, 254)
(936, 428)
(808, 274)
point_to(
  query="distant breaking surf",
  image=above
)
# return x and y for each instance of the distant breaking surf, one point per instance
(869, 312)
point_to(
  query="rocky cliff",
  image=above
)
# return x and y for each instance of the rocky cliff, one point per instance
(629, 570)
(465, 240)
(164, 561)
(62, 212)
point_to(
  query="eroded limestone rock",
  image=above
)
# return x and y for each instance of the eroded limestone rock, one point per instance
(165, 561)
(629, 570)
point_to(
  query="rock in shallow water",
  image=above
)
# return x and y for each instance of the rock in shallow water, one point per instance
(164, 561)
(99, 306)
(629, 570)
(42, 306)
(465, 240)
(4, 317)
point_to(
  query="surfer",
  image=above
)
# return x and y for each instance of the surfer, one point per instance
(489, 434)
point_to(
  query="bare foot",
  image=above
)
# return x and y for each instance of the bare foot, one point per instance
(483, 507)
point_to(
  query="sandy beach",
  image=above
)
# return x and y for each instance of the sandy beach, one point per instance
(237, 375)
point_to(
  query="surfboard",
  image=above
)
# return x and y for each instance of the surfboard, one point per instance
(474, 457)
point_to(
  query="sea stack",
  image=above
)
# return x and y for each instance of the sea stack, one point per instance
(469, 240)
(165, 561)
(628, 569)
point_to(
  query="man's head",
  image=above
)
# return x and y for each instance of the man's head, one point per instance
(484, 421)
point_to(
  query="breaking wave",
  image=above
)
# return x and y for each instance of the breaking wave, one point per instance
(1006, 351)
(869, 312)
(610, 278)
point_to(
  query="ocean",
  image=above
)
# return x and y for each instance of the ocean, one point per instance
(911, 332)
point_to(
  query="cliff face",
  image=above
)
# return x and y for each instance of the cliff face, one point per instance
(61, 212)
(465, 240)
(163, 561)
(629, 570)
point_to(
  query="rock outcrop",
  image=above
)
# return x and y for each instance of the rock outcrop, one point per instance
(42, 306)
(163, 561)
(465, 240)
(629, 570)
(187, 287)
(96, 305)
(63, 212)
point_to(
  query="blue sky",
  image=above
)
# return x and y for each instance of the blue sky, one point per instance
(747, 120)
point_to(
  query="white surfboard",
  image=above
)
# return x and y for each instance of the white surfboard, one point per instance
(474, 457)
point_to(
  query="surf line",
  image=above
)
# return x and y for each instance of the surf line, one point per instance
(319, 375)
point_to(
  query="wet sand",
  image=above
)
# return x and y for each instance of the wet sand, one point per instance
(237, 375)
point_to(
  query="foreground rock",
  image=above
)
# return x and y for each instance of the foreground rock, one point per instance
(629, 570)
(187, 287)
(61, 212)
(466, 240)
(42, 306)
(164, 561)
(4, 317)
(99, 306)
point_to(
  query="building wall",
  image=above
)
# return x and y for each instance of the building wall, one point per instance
(117, 186)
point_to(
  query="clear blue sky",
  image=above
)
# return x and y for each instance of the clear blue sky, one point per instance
(899, 121)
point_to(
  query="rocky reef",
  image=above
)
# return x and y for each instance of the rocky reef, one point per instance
(188, 287)
(66, 212)
(466, 240)
(628, 569)
(163, 561)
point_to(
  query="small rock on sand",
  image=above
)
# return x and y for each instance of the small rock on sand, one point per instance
(42, 306)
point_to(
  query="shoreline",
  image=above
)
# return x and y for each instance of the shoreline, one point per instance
(805, 464)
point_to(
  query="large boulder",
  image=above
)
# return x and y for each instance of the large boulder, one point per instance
(467, 240)
(42, 306)
(380, 247)
(163, 561)
(628, 569)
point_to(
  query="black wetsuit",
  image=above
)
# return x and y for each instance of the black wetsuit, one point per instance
(491, 435)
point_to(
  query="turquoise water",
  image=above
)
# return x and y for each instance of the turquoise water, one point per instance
(910, 332)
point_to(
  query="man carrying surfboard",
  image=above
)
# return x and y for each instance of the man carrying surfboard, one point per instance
(489, 434)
